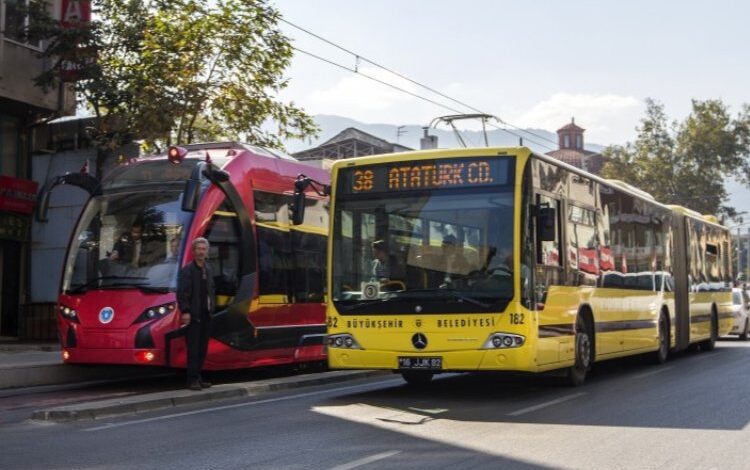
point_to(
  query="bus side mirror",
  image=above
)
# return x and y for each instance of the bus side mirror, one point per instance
(545, 224)
(191, 195)
(298, 206)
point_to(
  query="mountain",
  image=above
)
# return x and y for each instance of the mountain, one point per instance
(539, 140)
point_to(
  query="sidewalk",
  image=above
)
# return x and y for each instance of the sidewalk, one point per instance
(33, 364)
(173, 398)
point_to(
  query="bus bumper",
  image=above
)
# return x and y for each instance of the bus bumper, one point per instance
(511, 359)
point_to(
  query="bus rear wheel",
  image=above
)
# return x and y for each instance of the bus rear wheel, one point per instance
(576, 374)
(745, 333)
(710, 344)
(660, 356)
(417, 378)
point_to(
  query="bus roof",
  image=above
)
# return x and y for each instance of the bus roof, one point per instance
(519, 151)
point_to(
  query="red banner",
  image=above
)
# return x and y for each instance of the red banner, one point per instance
(17, 195)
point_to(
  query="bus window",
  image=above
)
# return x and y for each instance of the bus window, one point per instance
(223, 235)
(274, 263)
(309, 266)
(583, 257)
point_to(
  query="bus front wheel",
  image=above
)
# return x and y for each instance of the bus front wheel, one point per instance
(576, 374)
(660, 356)
(417, 378)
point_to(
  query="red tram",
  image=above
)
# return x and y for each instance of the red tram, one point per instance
(117, 303)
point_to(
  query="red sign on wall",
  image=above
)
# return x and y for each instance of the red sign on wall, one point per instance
(75, 12)
(17, 195)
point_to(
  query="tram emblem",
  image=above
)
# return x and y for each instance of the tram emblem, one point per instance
(106, 315)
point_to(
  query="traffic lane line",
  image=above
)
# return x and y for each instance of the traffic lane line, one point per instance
(652, 372)
(546, 404)
(240, 405)
(365, 460)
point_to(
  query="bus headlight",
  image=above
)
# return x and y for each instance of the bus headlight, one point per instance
(342, 341)
(69, 313)
(503, 341)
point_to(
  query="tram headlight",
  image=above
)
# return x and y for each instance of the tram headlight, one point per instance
(176, 154)
(153, 313)
(69, 313)
(504, 341)
(342, 341)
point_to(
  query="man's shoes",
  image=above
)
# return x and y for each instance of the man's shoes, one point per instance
(205, 384)
(195, 386)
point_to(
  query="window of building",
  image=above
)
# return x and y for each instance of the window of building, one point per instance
(579, 141)
(16, 22)
(566, 141)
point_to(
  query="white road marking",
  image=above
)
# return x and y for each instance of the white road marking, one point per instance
(652, 372)
(523, 411)
(366, 460)
(239, 405)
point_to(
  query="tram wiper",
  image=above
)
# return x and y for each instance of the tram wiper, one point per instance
(84, 287)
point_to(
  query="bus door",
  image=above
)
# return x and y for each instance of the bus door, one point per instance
(681, 287)
(548, 278)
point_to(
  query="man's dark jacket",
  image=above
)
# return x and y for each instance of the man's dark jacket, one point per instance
(188, 287)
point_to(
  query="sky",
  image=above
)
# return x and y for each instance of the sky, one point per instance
(530, 63)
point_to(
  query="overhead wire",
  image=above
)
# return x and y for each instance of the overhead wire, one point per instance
(359, 57)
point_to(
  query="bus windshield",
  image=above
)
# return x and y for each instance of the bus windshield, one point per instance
(127, 240)
(443, 250)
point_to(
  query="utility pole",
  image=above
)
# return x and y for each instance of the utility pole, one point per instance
(400, 132)
(739, 255)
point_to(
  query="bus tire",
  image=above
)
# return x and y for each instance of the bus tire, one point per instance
(417, 378)
(576, 374)
(710, 344)
(660, 355)
(744, 334)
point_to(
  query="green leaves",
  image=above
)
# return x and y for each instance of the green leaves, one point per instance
(686, 163)
(176, 71)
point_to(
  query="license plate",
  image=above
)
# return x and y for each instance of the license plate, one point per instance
(422, 363)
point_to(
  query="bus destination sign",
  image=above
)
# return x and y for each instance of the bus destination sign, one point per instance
(420, 175)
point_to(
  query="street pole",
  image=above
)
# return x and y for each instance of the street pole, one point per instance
(739, 254)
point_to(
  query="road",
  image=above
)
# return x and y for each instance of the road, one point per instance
(692, 412)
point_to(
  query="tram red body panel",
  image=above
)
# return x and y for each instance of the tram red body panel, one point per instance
(94, 337)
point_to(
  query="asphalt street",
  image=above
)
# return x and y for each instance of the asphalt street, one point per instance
(692, 412)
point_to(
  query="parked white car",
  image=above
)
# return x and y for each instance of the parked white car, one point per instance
(740, 311)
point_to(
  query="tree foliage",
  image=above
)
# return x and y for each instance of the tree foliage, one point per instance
(176, 71)
(686, 163)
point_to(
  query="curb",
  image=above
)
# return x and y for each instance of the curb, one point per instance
(174, 398)
(40, 374)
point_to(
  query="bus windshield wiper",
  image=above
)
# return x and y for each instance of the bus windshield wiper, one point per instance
(152, 289)
(86, 286)
(454, 293)
(363, 303)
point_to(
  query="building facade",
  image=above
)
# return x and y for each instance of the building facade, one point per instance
(351, 142)
(23, 111)
(571, 149)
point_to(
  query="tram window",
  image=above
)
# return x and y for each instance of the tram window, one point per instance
(271, 207)
(223, 235)
(274, 261)
(309, 266)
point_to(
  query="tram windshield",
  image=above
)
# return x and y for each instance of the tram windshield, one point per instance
(127, 240)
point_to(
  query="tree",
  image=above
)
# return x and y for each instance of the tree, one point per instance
(172, 71)
(686, 163)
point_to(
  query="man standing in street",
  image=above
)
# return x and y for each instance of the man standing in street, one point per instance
(196, 300)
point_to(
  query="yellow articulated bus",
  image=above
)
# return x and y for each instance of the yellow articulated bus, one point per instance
(503, 259)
